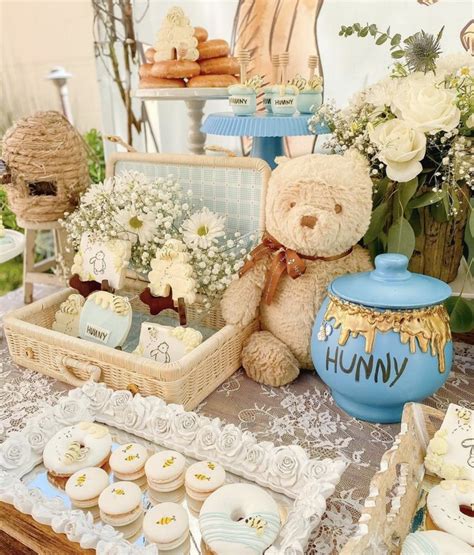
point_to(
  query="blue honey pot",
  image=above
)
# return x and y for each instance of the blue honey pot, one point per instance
(242, 100)
(382, 339)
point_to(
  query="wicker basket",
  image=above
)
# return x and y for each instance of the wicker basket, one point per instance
(235, 187)
(396, 488)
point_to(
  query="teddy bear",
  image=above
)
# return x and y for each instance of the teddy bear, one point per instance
(318, 207)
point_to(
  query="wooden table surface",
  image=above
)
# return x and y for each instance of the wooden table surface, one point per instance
(21, 535)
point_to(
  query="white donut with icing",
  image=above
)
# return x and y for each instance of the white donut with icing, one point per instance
(434, 542)
(77, 447)
(444, 504)
(239, 518)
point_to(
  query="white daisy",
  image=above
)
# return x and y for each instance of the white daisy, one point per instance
(203, 228)
(137, 224)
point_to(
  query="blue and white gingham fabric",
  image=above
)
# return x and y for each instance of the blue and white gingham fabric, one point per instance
(231, 192)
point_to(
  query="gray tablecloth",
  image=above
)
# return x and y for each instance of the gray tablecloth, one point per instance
(303, 413)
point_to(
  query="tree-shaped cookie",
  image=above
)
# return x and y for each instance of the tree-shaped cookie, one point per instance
(176, 38)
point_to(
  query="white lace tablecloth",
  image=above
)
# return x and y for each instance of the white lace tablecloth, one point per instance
(303, 413)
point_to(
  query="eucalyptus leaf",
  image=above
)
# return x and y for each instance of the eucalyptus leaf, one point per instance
(407, 190)
(426, 199)
(438, 211)
(461, 314)
(377, 222)
(396, 39)
(356, 27)
(373, 29)
(397, 54)
(401, 238)
(364, 32)
(415, 222)
(381, 191)
(383, 38)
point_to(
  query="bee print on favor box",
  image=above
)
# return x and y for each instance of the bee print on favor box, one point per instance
(164, 520)
(211, 466)
(130, 458)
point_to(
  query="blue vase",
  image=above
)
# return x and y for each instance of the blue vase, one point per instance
(382, 339)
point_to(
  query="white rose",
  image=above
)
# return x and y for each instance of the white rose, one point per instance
(426, 106)
(185, 426)
(207, 436)
(285, 465)
(71, 411)
(229, 443)
(14, 452)
(36, 438)
(400, 147)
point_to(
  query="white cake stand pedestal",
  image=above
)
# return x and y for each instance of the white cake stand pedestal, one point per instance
(195, 100)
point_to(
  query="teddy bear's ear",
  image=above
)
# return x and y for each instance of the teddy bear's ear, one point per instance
(359, 161)
(281, 160)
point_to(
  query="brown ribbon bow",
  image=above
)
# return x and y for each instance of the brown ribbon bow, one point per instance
(284, 259)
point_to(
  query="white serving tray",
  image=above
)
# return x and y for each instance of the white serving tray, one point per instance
(198, 93)
(283, 469)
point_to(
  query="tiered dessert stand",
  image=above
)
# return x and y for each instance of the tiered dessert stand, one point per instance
(195, 100)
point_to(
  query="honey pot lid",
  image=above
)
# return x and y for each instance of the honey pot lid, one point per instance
(390, 285)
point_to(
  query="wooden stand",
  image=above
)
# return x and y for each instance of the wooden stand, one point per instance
(158, 304)
(35, 272)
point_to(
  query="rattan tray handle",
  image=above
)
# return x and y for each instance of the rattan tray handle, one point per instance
(68, 364)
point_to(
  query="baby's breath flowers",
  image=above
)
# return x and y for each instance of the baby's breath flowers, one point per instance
(151, 211)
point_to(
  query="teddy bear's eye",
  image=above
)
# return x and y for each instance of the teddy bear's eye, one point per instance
(292, 204)
(338, 208)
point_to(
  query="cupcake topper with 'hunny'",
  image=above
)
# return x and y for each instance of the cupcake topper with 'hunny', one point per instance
(172, 283)
(312, 65)
(244, 59)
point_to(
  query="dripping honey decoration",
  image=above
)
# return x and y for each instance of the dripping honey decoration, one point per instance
(427, 327)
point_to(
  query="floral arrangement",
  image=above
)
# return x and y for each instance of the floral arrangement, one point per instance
(416, 130)
(152, 211)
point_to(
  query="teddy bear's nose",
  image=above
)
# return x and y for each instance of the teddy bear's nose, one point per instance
(309, 221)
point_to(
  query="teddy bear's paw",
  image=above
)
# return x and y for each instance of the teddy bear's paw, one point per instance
(234, 310)
(268, 360)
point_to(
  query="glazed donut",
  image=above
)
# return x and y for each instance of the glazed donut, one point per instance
(157, 83)
(201, 34)
(77, 447)
(255, 530)
(444, 504)
(225, 65)
(433, 541)
(145, 70)
(212, 81)
(175, 69)
(214, 48)
(150, 55)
